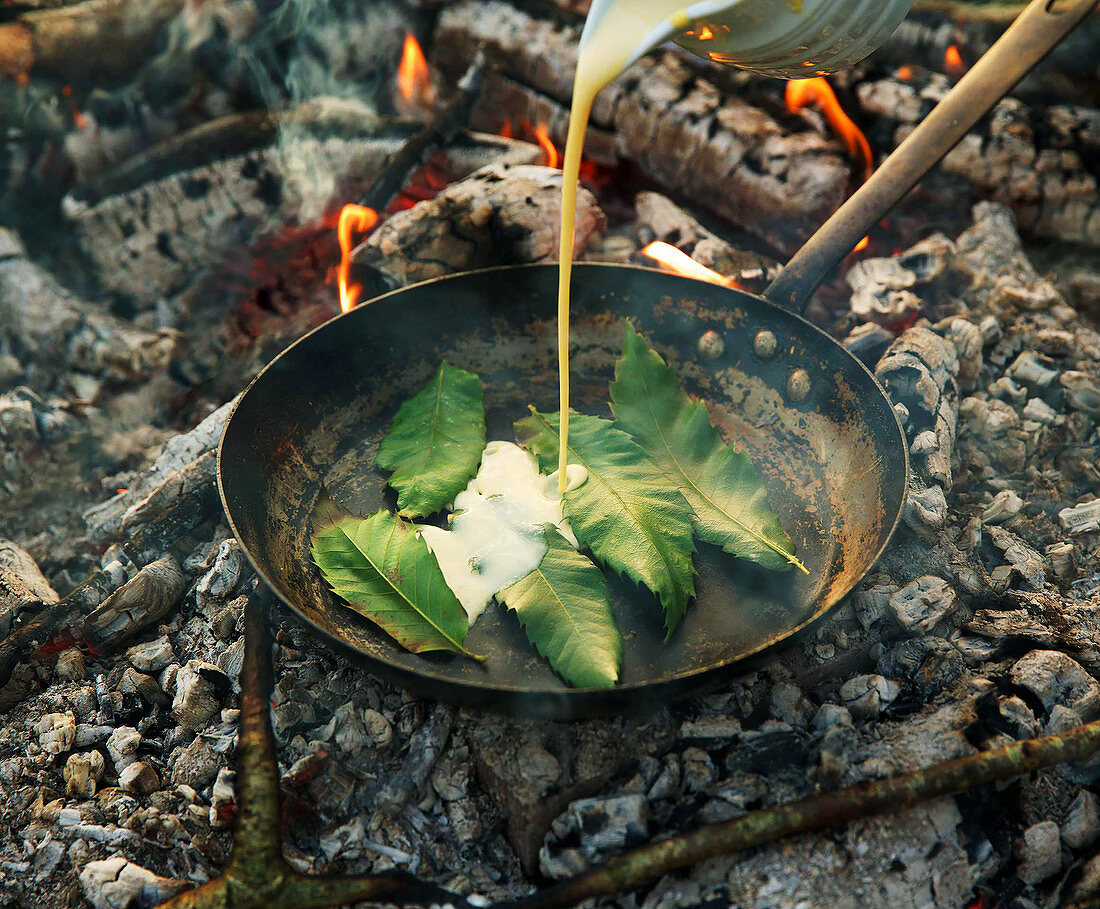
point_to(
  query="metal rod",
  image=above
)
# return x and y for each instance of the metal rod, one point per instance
(1030, 38)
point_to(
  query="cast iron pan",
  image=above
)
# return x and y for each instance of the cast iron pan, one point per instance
(834, 461)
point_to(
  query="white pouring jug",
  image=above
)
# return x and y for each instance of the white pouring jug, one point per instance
(769, 37)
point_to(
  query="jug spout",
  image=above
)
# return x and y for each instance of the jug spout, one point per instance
(676, 20)
(782, 38)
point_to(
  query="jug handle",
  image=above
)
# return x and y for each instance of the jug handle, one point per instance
(1031, 37)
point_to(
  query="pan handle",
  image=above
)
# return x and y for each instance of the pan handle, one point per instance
(1030, 38)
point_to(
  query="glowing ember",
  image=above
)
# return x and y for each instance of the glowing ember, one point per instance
(352, 218)
(543, 137)
(413, 78)
(953, 62)
(904, 73)
(817, 91)
(862, 245)
(679, 262)
(78, 118)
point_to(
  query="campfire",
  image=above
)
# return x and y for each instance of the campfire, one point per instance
(190, 189)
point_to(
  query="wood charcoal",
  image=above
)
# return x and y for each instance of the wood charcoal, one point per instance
(659, 218)
(673, 122)
(152, 239)
(144, 599)
(45, 323)
(1034, 159)
(22, 585)
(919, 370)
(108, 519)
(500, 215)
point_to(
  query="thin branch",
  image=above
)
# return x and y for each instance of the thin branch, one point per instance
(257, 876)
(440, 131)
(863, 800)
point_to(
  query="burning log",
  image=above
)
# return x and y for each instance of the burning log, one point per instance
(439, 132)
(659, 218)
(95, 39)
(52, 328)
(508, 104)
(936, 28)
(1033, 159)
(150, 237)
(678, 126)
(500, 215)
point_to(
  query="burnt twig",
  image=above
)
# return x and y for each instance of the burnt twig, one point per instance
(852, 803)
(257, 874)
(441, 130)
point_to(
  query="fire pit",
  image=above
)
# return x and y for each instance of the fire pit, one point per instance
(190, 189)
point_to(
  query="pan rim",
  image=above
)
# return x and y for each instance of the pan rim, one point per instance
(477, 689)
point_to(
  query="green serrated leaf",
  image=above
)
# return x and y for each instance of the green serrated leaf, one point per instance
(386, 573)
(627, 513)
(730, 503)
(564, 608)
(435, 442)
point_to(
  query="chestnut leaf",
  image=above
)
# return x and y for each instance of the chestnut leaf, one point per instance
(564, 608)
(729, 502)
(435, 442)
(627, 512)
(387, 574)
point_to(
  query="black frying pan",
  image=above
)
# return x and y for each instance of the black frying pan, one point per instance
(814, 421)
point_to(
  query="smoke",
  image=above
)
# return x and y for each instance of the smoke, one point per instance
(305, 50)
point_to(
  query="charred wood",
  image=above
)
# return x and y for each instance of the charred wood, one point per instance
(147, 543)
(228, 137)
(53, 329)
(91, 40)
(425, 747)
(144, 599)
(501, 215)
(1037, 160)
(439, 132)
(659, 218)
(508, 104)
(155, 238)
(676, 124)
(182, 465)
(22, 586)
(919, 371)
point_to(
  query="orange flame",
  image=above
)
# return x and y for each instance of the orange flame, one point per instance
(801, 92)
(679, 262)
(953, 62)
(543, 137)
(358, 218)
(413, 78)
